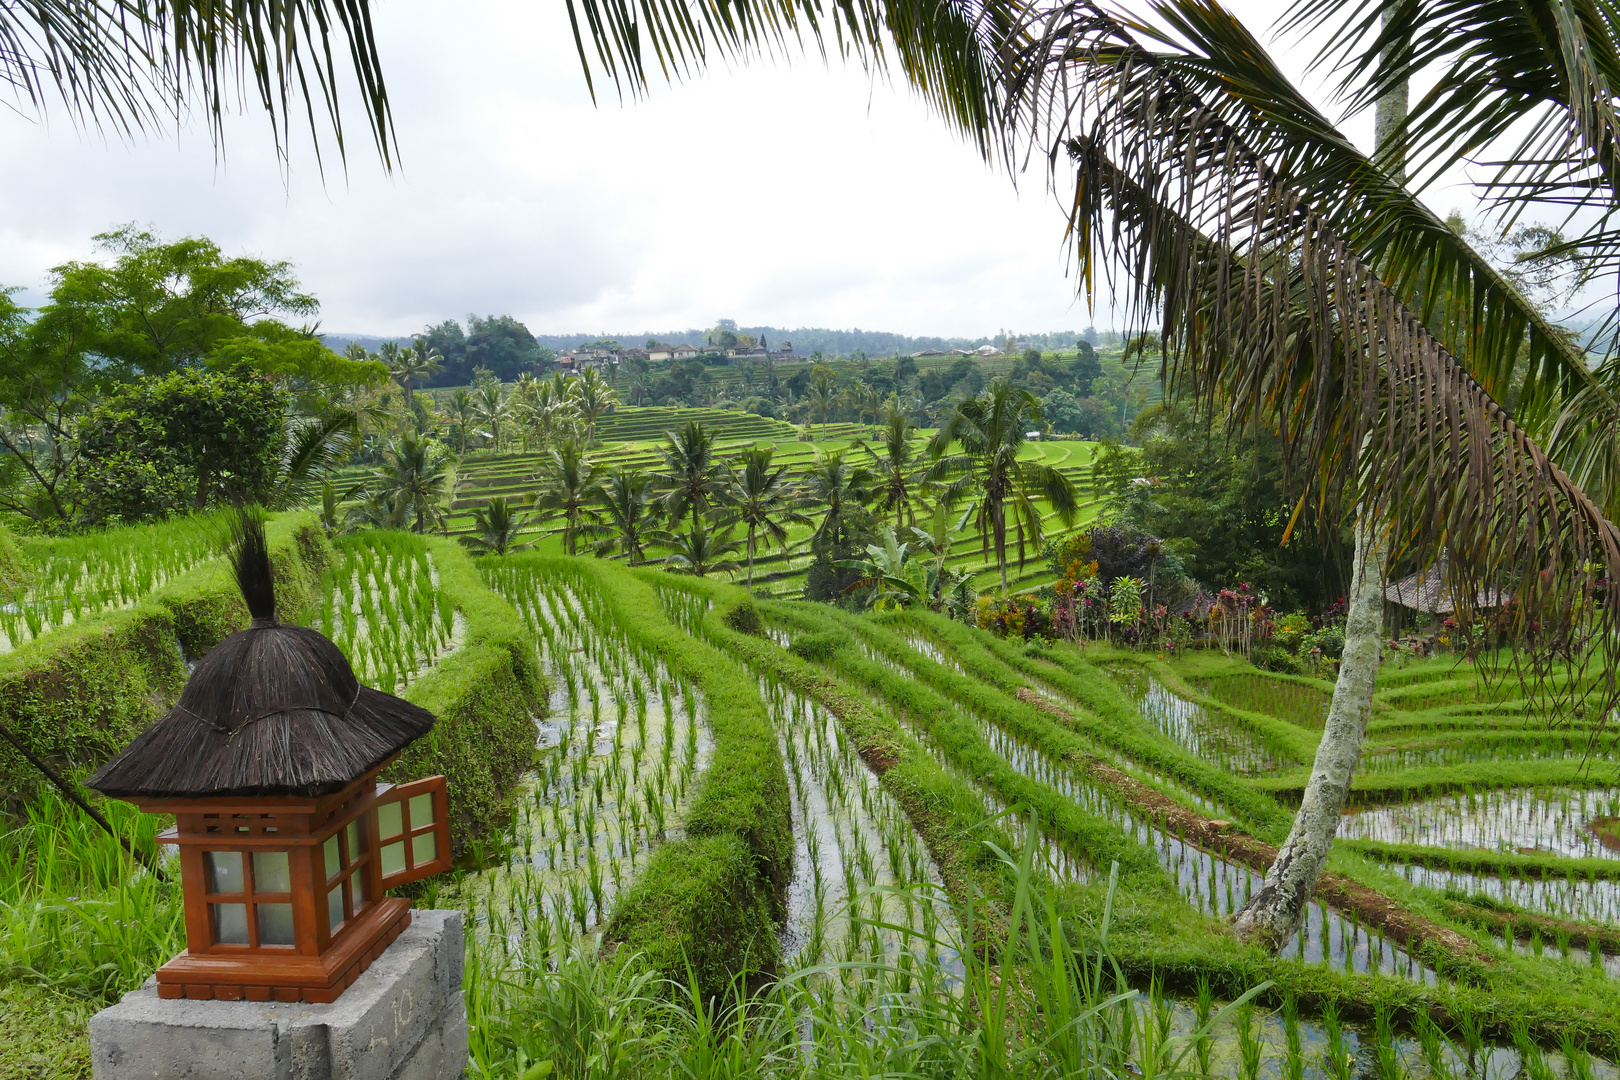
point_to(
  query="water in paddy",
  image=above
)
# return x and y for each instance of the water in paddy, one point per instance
(1200, 731)
(858, 863)
(1573, 822)
(1582, 899)
(621, 750)
(1466, 749)
(1214, 885)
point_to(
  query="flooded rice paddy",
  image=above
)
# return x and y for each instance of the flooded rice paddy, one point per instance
(619, 755)
(1571, 822)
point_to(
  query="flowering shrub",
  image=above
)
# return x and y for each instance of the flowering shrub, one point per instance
(1015, 617)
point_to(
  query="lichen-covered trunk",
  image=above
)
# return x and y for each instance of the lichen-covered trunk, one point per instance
(1273, 914)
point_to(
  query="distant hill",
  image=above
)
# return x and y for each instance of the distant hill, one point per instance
(806, 340)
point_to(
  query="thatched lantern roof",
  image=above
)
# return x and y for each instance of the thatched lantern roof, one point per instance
(271, 710)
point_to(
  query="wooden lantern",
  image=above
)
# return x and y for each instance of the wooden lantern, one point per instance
(288, 842)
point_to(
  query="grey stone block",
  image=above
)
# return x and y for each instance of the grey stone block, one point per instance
(405, 1018)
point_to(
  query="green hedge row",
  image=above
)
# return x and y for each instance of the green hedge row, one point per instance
(708, 903)
(78, 694)
(486, 694)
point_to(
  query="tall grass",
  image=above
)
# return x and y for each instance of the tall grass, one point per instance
(1047, 1001)
(77, 913)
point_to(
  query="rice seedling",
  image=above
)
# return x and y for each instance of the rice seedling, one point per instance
(382, 607)
(73, 578)
(618, 751)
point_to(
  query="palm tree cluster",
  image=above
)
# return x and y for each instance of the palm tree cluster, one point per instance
(707, 512)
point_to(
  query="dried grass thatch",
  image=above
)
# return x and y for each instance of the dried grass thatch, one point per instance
(271, 710)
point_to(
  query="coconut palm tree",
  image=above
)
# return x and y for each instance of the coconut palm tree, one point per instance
(632, 513)
(988, 433)
(1302, 291)
(899, 479)
(690, 479)
(414, 480)
(462, 408)
(592, 396)
(408, 365)
(837, 486)
(497, 527)
(571, 485)
(492, 409)
(757, 497)
(700, 552)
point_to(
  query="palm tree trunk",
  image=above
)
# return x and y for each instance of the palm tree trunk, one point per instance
(750, 558)
(1273, 915)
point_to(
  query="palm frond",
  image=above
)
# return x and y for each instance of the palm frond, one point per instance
(136, 65)
(946, 49)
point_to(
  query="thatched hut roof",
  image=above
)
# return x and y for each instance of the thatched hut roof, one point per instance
(1428, 592)
(271, 710)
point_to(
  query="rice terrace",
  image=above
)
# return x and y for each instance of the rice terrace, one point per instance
(1227, 690)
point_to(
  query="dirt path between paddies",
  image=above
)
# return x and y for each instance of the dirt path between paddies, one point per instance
(1221, 838)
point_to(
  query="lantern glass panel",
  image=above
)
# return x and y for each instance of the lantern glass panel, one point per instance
(230, 923)
(334, 862)
(393, 858)
(271, 875)
(421, 810)
(424, 848)
(334, 908)
(389, 821)
(275, 924)
(224, 872)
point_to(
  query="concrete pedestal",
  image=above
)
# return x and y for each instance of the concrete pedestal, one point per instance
(405, 1018)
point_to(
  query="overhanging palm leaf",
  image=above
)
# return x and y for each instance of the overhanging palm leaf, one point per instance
(1270, 310)
(133, 64)
(947, 50)
(1090, 76)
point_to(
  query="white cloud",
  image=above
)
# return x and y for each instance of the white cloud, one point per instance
(786, 193)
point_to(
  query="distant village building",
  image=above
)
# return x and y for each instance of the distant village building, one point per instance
(662, 352)
(926, 352)
(987, 350)
(685, 352)
(961, 352)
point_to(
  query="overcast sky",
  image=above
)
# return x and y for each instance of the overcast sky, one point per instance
(786, 194)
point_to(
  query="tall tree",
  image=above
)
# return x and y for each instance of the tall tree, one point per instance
(1302, 291)
(412, 365)
(414, 481)
(592, 397)
(491, 406)
(632, 513)
(759, 498)
(571, 486)
(988, 434)
(896, 466)
(690, 479)
(462, 408)
(835, 486)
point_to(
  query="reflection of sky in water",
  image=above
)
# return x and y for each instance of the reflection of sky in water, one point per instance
(1549, 821)
(1585, 901)
(604, 794)
(1211, 884)
(857, 859)
(1209, 735)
